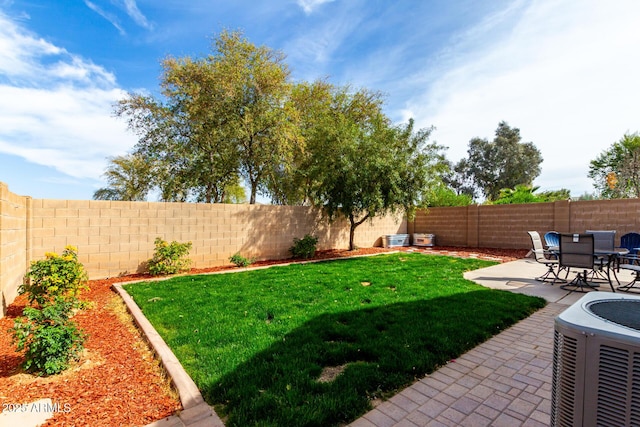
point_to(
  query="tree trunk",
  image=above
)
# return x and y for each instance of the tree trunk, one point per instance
(252, 198)
(253, 186)
(207, 197)
(352, 230)
(352, 233)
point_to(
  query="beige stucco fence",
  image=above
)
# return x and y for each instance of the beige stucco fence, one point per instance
(116, 238)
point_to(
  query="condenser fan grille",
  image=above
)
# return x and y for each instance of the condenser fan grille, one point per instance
(621, 312)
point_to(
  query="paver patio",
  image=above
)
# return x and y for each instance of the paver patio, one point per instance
(505, 381)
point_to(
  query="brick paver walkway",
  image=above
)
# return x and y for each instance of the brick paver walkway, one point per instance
(505, 381)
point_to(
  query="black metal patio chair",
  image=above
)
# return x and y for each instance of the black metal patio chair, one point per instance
(604, 241)
(577, 251)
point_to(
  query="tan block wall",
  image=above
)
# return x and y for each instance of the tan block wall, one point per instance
(448, 224)
(622, 215)
(506, 226)
(116, 238)
(14, 256)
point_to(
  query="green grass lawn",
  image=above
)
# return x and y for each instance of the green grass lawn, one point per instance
(256, 342)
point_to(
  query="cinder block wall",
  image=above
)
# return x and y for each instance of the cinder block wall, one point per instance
(622, 215)
(116, 238)
(506, 226)
(14, 255)
(448, 224)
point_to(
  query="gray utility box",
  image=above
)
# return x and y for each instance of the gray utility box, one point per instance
(422, 239)
(391, 240)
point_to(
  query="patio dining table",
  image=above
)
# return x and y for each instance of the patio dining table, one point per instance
(611, 262)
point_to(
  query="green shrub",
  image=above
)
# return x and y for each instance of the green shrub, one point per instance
(169, 258)
(240, 261)
(304, 248)
(45, 331)
(55, 276)
(50, 338)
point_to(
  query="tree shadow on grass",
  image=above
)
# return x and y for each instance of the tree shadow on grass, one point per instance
(384, 348)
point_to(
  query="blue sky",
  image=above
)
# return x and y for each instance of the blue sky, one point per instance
(565, 72)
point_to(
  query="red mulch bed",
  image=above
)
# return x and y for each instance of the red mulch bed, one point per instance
(117, 381)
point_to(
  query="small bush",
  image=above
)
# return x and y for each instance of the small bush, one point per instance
(240, 261)
(46, 333)
(304, 248)
(169, 258)
(50, 338)
(55, 276)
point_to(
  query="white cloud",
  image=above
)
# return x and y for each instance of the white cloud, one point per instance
(106, 15)
(78, 70)
(130, 8)
(310, 5)
(55, 107)
(313, 50)
(134, 13)
(565, 73)
(26, 59)
(320, 43)
(18, 48)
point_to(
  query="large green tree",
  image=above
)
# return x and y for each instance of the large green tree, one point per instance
(321, 120)
(262, 120)
(361, 166)
(128, 178)
(616, 171)
(456, 180)
(502, 163)
(222, 116)
(192, 159)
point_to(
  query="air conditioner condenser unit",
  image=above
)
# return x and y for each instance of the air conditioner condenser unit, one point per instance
(596, 362)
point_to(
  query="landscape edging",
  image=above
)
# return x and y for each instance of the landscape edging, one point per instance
(189, 393)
